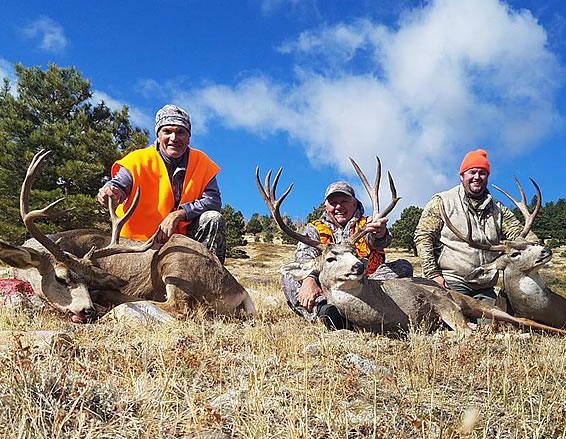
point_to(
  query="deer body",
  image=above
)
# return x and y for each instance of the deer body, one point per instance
(528, 295)
(371, 307)
(177, 275)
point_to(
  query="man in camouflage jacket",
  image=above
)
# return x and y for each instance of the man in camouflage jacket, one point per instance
(445, 258)
(343, 216)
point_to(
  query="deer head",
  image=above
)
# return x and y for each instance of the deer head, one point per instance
(64, 279)
(518, 255)
(338, 264)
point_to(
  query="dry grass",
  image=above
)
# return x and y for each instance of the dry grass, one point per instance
(279, 377)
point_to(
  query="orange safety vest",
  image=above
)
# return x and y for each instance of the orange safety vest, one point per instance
(363, 250)
(156, 194)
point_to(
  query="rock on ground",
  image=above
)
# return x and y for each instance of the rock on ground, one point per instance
(142, 312)
(19, 293)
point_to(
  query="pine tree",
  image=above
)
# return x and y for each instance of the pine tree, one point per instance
(403, 230)
(235, 227)
(286, 239)
(52, 110)
(254, 225)
(316, 213)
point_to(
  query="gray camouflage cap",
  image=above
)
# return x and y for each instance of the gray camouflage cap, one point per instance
(339, 186)
(172, 115)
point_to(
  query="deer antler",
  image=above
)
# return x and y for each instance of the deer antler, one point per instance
(113, 247)
(373, 192)
(47, 212)
(522, 206)
(273, 204)
(468, 238)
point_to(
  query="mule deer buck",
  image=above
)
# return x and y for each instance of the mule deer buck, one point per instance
(76, 270)
(380, 306)
(520, 261)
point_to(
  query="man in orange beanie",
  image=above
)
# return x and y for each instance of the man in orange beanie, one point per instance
(445, 258)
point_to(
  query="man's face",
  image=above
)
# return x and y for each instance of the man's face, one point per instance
(173, 140)
(474, 181)
(340, 207)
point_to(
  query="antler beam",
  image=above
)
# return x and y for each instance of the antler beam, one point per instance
(267, 191)
(47, 212)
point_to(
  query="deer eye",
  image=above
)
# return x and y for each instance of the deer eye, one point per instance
(331, 259)
(515, 254)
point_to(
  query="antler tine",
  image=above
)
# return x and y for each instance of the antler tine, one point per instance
(539, 198)
(268, 194)
(274, 187)
(115, 249)
(49, 211)
(373, 193)
(468, 238)
(377, 182)
(117, 222)
(522, 205)
(394, 198)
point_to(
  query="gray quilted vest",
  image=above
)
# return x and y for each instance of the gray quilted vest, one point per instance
(456, 258)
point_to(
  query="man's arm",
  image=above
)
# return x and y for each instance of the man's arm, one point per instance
(210, 200)
(379, 237)
(118, 188)
(427, 236)
(310, 287)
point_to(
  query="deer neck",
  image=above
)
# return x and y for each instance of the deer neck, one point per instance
(528, 288)
(339, 292)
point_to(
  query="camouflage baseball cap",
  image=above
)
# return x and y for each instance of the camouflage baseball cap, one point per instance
(172, 115)
(339, 186)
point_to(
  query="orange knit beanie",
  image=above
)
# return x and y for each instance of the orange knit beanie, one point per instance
(475, 159)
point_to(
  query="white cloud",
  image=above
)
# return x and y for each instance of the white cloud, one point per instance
(50, 34)
(450, 76)
(339, 42)
(137, 116)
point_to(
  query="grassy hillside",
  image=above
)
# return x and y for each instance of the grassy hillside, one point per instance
(277, 376)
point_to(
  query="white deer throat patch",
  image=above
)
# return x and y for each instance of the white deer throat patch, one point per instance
(533, 288)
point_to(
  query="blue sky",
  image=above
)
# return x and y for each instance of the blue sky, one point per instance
(305, 84)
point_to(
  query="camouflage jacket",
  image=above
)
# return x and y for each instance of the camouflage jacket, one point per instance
(305, 252)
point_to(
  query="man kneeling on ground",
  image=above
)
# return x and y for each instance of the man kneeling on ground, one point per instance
(343, 216)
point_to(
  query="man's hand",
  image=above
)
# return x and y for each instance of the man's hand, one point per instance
(109, 191)
(440, 281)
(309, 291)
(169, 224)
(377, 228)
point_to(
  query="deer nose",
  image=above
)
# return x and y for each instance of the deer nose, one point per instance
(90, 314)
(359, 268)
(87, 315)
(546, 252)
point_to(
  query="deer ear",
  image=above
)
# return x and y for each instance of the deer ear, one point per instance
(299, 270)
(20, 257)
(483, 274)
